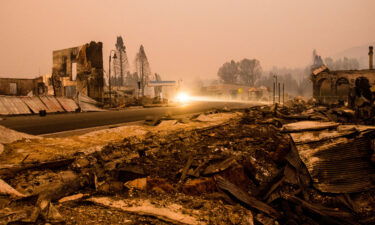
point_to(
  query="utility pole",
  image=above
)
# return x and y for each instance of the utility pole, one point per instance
(279, 93)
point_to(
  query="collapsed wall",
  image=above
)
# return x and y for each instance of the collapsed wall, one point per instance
(78, 70)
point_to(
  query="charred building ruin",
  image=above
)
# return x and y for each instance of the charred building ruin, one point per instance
(22, 87)
(78, 70)
(344, 86)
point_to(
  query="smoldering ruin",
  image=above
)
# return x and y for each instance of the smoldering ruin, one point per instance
(270, 158)
(293, 164)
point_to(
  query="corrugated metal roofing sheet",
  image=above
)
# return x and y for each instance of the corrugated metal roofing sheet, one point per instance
(21, 107)
(34, 103)
(3, 108)
(339, 164)
(14, 105)
(308, 126)
(8, 106)
(68, 104)
(52, 104)
(87, 107)
(85, 98)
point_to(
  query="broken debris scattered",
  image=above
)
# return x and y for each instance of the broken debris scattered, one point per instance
(291, 164)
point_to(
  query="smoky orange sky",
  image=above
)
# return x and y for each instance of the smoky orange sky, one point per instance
(182, 39)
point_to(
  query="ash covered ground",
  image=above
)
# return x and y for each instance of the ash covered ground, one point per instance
(295, 164)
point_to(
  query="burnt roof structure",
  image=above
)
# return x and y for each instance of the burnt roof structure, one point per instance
(332, 87)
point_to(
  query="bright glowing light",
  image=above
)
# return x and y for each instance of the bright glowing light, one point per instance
(182, 97)
(185, 99)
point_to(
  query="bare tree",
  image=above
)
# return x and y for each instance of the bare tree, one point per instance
(228, 72)
(120, 63)
(342, 64)
(249, 71)
(143, 69)
(317, 60)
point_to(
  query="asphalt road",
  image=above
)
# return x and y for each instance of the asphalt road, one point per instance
(34, 124)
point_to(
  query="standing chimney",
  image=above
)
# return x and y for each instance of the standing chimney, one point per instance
(370, 57)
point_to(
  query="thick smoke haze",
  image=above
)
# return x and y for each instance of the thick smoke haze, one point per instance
(183, 39)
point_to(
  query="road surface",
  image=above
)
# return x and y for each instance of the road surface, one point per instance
(70, 121)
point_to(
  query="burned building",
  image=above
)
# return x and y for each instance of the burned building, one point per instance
(22, 87)
(79, 70)
(344, 86)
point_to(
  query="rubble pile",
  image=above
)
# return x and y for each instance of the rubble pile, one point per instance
(271, 165)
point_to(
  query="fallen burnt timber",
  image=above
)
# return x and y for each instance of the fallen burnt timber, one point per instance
(295, 164)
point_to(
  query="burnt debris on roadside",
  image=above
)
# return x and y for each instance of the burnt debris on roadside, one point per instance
(291, 164)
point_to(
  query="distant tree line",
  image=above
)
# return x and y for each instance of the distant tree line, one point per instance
(244, 72)
(342, 64)
(296, 80)
(334, 64)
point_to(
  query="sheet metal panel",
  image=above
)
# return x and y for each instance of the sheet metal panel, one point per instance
(3, 108)
(308, 126)
(9, 107)
(52, 104)
(85, 98)
(21, 107)
(34, 103)
(87, 107)
(68, 104)
(14, 105)
(56, 104)
(340, 164)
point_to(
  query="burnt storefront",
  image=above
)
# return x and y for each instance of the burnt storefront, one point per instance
(78, 70)
(344, 86)
(22, 87)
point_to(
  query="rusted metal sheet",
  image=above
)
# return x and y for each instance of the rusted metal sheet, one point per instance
(52, 104)
(14, 105)
(309, 126)
(318, 136)
(68, 104)
(34, 103)
(87, 107)
(21, 107)
(85, 98)
(88, 104)
(8, 106)
(3, 108)
(338, 162)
